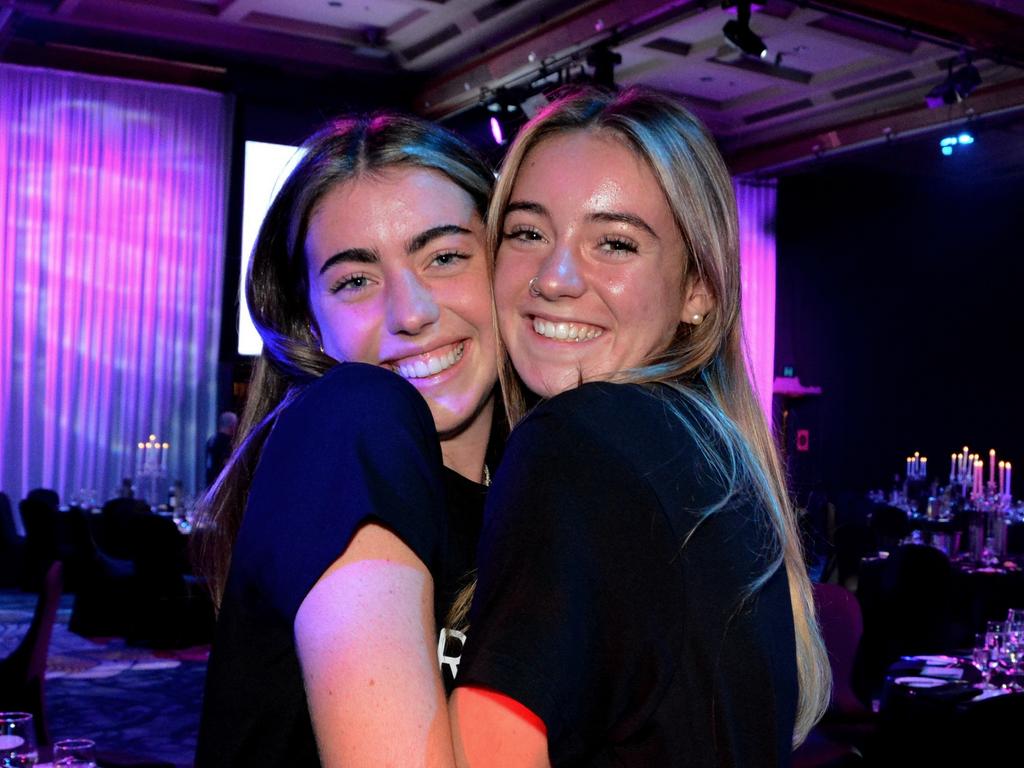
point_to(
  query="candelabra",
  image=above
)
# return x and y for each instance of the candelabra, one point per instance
(151, 469)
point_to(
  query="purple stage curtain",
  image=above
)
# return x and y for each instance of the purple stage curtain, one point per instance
(756, 203)
(112, 227)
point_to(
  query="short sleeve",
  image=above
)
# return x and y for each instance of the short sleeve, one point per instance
(569, 525)
(357, 446)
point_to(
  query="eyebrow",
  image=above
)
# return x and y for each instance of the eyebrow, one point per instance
(367, 256)
(528, 206)
(356, 255)
(423, 238)
(624, 218)
(611, 216)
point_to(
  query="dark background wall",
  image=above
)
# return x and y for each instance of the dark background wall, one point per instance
(901, 293)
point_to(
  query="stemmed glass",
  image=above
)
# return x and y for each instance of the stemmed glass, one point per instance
(981, 657)
(17, 740)
(74, 753)
(1015, 647)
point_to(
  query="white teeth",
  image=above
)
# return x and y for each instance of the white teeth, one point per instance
(420, 369)
(565, 331)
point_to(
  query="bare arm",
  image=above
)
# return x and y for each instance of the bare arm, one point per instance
(493, 730)
(366, 638)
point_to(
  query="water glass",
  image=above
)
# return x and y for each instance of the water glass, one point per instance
(17, 740)
(74, 753)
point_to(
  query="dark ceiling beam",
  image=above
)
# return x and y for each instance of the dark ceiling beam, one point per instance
(66, 7)
(989, 31)
(589, 23)
(6, 26)
(771, 157)
(236, 10)
(208, 35)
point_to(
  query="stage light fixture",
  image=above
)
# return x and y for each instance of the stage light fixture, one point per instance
(604, 60)
(955, 88)
(738, 32)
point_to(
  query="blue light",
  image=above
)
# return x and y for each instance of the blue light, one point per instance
(949, 143)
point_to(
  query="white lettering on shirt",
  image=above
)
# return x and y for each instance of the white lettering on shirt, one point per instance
(443, 655)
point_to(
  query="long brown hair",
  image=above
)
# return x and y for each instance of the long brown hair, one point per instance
(277, 291)
(705, 363)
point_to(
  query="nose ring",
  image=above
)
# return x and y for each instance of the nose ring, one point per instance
(532, 287)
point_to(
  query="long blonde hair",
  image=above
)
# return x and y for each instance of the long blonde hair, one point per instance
(705, 363)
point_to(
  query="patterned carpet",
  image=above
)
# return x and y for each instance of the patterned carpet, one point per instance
(135, 702)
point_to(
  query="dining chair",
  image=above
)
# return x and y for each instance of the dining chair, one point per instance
(12, 546)
(848, 720)
(39, 510)
(23, 671)
(911, 613)
(105, 585)
(890, 525)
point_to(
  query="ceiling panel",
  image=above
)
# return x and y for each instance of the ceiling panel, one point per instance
(833, 67)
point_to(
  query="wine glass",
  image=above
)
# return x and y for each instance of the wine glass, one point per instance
(17, 740)
(74, 753)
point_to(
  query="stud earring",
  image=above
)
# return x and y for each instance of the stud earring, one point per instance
(697, 319)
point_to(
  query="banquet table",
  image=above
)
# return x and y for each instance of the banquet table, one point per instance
(929, 709)
(978, 593)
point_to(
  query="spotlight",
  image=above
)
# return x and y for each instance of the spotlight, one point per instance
(496, 132)
(966, 79)
(604, 60)
(949, 144)
(955, 88)
(738, 32)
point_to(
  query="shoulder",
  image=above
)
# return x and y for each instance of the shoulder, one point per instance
(616, 417)
(369, 383)
(582, 443)
(356, 396)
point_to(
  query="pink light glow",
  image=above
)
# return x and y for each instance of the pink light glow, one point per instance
(756, 203)
(112, 216)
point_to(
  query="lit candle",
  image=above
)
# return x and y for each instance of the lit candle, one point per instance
(924, 467)
(1008, 491)
(952, 467)
(910, 467)
(163, 456)
(992, 465)
(1002, 477)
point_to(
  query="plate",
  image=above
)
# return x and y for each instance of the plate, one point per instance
(920, 682)
(933, 660)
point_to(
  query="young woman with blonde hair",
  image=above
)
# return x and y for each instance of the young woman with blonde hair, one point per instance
(642, 598)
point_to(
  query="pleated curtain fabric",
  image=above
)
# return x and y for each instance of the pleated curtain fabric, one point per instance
(756, 203)
(113, 197)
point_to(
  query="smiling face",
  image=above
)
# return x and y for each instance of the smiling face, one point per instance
(398, 278)
(588, 220)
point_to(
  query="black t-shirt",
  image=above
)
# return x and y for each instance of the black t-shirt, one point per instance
(357, 445)
(630, 642)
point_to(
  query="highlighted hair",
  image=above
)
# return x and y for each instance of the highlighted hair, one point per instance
(706, 363)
